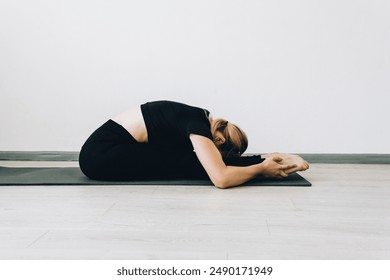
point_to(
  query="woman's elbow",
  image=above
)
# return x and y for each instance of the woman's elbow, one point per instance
(221, 183)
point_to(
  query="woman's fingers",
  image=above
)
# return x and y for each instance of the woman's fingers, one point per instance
(284, 169)
(283, 174)
(287, 166)
(292, 170)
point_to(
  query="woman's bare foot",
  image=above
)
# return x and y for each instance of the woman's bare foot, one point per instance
(301, 164)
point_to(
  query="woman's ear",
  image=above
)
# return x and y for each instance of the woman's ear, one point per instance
(219, 140)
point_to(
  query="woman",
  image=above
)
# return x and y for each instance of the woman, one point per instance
(169, 140)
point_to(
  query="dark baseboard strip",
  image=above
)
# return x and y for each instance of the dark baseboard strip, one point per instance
(311, 158)
(39, 156)
(347, 158)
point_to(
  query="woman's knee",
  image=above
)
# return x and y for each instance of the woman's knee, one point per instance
(88, 163)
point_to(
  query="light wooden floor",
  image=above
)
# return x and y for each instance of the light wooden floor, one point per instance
(344, 215)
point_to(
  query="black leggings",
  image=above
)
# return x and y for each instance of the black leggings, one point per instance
(111, 153)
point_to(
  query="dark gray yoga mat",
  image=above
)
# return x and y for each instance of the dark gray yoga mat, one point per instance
(10, 176)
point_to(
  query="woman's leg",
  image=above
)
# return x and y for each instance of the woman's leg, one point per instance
(111, 153)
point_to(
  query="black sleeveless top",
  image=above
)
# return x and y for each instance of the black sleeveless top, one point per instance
(170, 123)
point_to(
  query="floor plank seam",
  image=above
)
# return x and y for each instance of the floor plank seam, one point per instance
(36, 240)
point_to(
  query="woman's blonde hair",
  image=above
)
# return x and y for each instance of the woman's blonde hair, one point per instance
(236, 141)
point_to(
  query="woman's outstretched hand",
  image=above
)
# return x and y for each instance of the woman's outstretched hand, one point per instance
(300, 163)
(275, 168)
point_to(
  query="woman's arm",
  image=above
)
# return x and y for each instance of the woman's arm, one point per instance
(224, 176)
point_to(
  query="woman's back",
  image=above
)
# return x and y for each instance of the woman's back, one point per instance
(165, 123)
(133, 121)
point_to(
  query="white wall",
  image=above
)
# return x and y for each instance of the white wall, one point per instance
(300, 76)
